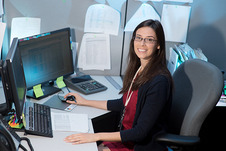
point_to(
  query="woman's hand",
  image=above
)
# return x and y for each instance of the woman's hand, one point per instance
(79, 99)
(81, 138)
(93, 137)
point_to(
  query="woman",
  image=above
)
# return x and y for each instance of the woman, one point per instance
(147, 95)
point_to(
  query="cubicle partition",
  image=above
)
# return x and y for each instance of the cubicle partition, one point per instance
(67, 13)
(206, 28)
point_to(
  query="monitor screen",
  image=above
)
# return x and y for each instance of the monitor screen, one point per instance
(46, 56)
(13, 79)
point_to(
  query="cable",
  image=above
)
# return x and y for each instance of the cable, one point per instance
(22, 147)
(68, 89)
(28, 142)
(62, 92)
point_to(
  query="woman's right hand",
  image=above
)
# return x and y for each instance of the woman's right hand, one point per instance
(79, 99)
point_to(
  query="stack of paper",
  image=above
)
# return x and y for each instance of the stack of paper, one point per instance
(181, 53)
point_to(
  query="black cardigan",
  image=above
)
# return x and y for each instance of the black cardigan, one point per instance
(152, 110)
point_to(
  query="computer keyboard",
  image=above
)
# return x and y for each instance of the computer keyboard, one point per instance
(38, 119)
(85, 84)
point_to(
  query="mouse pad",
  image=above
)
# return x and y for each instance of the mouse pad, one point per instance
(56, 103)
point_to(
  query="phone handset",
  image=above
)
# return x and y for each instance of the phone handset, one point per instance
(9, 140)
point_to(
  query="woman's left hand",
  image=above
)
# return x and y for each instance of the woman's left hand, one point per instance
(81, 138)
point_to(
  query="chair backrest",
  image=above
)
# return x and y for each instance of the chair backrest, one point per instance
(197, 89)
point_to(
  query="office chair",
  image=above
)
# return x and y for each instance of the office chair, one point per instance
(197, 89)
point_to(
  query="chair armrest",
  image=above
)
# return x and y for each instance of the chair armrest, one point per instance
(177, 140)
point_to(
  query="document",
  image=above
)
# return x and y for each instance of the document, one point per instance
(187, 50)
(94, 52)
(70, 122)
(173, 60)
(182, 56)
(24, 27)
(1, 8)
(175, 19)
(102, 18)
(146, 11)
(2, 33)
(199, 54)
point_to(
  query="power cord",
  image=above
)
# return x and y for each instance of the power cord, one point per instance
(28, 142)
(62, 92)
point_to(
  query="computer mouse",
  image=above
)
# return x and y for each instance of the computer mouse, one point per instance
(70, 98)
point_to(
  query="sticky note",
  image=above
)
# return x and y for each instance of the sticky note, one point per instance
(60, 83)
(38, 90)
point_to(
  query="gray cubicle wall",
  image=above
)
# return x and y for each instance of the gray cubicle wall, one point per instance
(207, 29)
(56, 14)
(207, 26)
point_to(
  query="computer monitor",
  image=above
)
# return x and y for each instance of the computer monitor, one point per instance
(13, 79)
(5, 106)
(46, 57)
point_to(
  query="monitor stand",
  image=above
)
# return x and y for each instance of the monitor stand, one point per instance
(47, 90)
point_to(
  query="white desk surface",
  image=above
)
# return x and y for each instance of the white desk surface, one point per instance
(110, 93)
(56, 143)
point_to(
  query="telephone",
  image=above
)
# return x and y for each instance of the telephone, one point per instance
(9, 140)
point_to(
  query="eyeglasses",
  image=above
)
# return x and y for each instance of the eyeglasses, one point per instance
(146, 40)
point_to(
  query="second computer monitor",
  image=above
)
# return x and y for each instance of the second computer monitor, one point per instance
(13, 79)
(46, 57)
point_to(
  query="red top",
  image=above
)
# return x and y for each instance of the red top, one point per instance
(130, 110)
(127, 123)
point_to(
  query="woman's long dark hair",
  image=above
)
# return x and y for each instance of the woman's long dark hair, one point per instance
(156, 65)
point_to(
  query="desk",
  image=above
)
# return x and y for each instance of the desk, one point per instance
(56, 143)
(110, 93)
